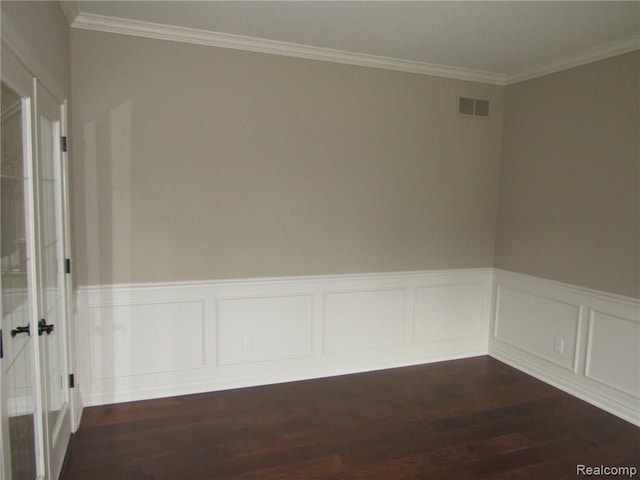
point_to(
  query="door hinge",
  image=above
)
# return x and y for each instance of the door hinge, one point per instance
(67, 265)
(63, 143)
(72, 381)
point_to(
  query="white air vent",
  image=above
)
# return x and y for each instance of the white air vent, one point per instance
(473, 106)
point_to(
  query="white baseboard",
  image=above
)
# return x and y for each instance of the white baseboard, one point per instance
(582, 341)
(146, 341)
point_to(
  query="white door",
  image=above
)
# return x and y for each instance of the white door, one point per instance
(21, 428)
(52, 323)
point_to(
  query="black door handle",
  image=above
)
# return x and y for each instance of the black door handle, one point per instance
(19, 330)
(43, 327)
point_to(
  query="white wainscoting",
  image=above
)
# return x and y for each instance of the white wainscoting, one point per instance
(358, 320)
(154, 340)
(582, 341)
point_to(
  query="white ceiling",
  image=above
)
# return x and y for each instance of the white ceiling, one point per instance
(503, 41)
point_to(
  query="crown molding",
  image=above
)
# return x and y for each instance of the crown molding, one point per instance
(138, 28)
(203, 37)
(70, 9)
(599, 53)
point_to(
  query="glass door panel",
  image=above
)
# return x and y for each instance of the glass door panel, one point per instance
(17, 294)
(52, 326)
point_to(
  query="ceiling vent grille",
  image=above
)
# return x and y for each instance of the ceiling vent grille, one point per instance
(473, 106)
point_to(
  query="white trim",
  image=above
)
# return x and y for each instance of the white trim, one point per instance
(599, 53)
(103, 23)
(138, 28)
(566, 287)
(262, 378)
(248, 282)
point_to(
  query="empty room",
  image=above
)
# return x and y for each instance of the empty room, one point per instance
(320, 240)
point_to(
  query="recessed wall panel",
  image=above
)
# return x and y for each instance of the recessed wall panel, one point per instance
(613, 352)
(142, 338)
(447, 312)
(363, 320)
(253, 329)
(536, 324)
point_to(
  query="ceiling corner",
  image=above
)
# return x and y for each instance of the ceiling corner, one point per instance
(602, 52)
(70, 9)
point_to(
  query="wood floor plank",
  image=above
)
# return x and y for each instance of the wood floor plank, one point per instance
(466, 419)
(323, 468)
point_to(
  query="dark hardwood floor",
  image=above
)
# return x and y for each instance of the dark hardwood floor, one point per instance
(465, 419)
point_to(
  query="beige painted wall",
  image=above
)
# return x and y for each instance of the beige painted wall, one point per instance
(569, 185)
(196, 163)
(42, 33)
